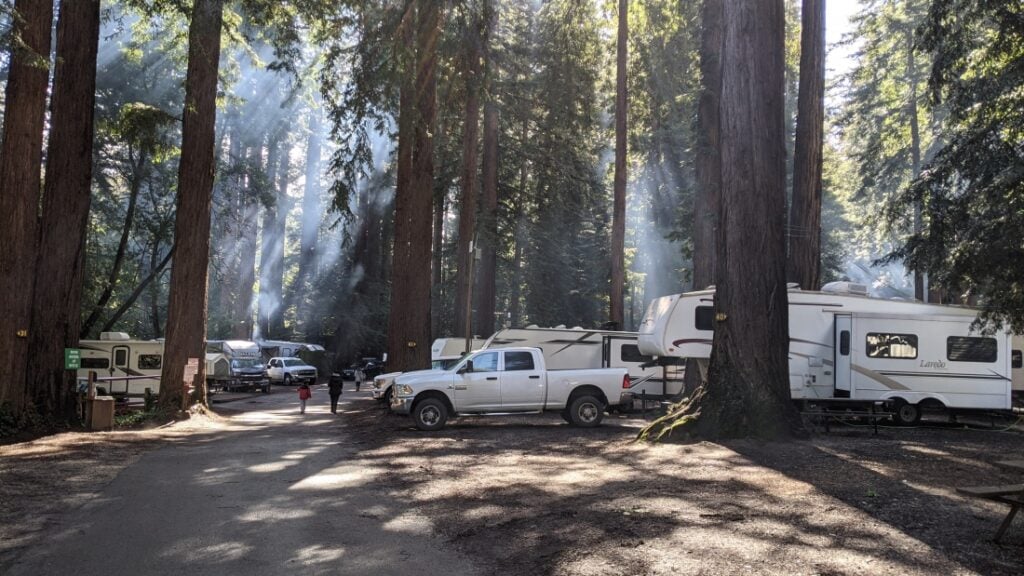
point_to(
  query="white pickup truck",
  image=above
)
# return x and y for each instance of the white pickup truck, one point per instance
(508, 381)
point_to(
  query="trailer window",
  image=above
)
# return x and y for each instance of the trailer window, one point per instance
(631, 353)
(1018, 359)
(704, 318)
(95, 363)
(150, 361)
(516, 361)
(884, 345)
(967, 349)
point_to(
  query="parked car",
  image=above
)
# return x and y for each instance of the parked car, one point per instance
(509, 381)
(290, 371)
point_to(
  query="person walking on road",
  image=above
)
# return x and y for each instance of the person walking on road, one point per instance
(359, 378)
(334, 389)
(304, 394)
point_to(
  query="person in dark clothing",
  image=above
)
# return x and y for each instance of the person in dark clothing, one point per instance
(334, 389)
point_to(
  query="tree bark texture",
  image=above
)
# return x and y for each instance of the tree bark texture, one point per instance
(20, 157)
(468, 198)
(805, 210)
(487, 296)
(708, 161)
(915, 151)
(409, 318)
(56, 309)
(618, 248)
(748, 389)
(186, 311)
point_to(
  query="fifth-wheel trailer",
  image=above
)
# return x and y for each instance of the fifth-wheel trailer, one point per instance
(844, 344)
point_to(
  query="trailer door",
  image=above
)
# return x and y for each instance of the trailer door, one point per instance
(843, 352)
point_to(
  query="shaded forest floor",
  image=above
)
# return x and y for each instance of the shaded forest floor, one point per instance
(530, 495)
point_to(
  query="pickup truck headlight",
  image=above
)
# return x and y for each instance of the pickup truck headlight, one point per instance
(403, 390)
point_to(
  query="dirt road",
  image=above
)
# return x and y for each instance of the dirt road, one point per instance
(270, 492)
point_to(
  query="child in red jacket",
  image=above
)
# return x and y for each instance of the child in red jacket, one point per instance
(304, 394)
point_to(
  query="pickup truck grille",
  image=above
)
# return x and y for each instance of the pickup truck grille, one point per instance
(306, 373)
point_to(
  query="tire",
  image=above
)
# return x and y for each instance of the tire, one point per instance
(387, 396)
(430, 414)
(907, 414)
(565, 416)
(586, 411)
(287, 379)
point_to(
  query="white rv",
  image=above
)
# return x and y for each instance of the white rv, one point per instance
(446, 352)
(115, 355)
(577, 348)
(844, 344)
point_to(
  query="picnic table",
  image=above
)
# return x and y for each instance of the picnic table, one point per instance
(1010, 494)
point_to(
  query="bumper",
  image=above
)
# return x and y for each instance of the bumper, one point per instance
(626, 399)
(378, 393)
(401, 405)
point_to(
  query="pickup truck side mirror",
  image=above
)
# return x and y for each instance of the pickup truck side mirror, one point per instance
(467, 367)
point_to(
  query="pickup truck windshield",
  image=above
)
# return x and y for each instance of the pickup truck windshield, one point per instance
(244, 363)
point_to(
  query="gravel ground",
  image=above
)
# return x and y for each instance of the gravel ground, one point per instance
(531, 495)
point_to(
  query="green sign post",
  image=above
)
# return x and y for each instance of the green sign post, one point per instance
(72, 358)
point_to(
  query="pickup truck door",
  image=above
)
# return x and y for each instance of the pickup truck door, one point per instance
(522, 383)
(479, 390)
(274, 371)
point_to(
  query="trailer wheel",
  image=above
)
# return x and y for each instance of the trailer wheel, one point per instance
(586, 411)
(907, 414)
(430, 414)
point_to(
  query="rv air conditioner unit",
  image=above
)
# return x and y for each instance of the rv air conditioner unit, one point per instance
(119, 336)
(845, 288)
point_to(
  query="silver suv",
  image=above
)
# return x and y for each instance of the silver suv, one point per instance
(290, 371)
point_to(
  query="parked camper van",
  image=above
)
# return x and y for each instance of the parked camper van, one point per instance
(446, 352)
(844, 344)
(576, 348)
(235, 364)
(116, 354)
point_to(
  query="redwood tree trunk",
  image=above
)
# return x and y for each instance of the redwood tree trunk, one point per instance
(467, 208)
(618, 248)
(409, 318)
(805, 210)
(708, 157)
(915, 152)
(489, 219)
(186, 309)
(20, 157)
(275, 278)
(748, 389)
(56, 310)
(309, 233)
(242, 320)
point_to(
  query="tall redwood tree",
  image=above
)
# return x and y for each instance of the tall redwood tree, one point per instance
(409, 317)
(56, 309)
(805, 210)
(186, 310)
(618, 248)
(20, 157)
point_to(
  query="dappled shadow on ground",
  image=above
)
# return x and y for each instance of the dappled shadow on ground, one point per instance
(364, 493)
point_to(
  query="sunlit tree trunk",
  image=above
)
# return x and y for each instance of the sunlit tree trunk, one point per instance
(618, 247)
(409, 319)
(186, 311)
(56, 309)
(468, 196)
(748, 389)
(309, 234)
(805, 210)
(20, 158)
(249, 206)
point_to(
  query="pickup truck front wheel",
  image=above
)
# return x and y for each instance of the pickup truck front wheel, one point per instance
(430, 414)
(586, 411)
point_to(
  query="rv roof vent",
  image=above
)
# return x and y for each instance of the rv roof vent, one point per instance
(560, 327)
(710, 287)
(114, 336)
(845, 288)
(533, 326)
(792, 286)
(577, 327)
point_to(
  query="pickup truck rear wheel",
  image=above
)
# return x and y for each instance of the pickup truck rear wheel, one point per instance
(430, 414)
(586, 411)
